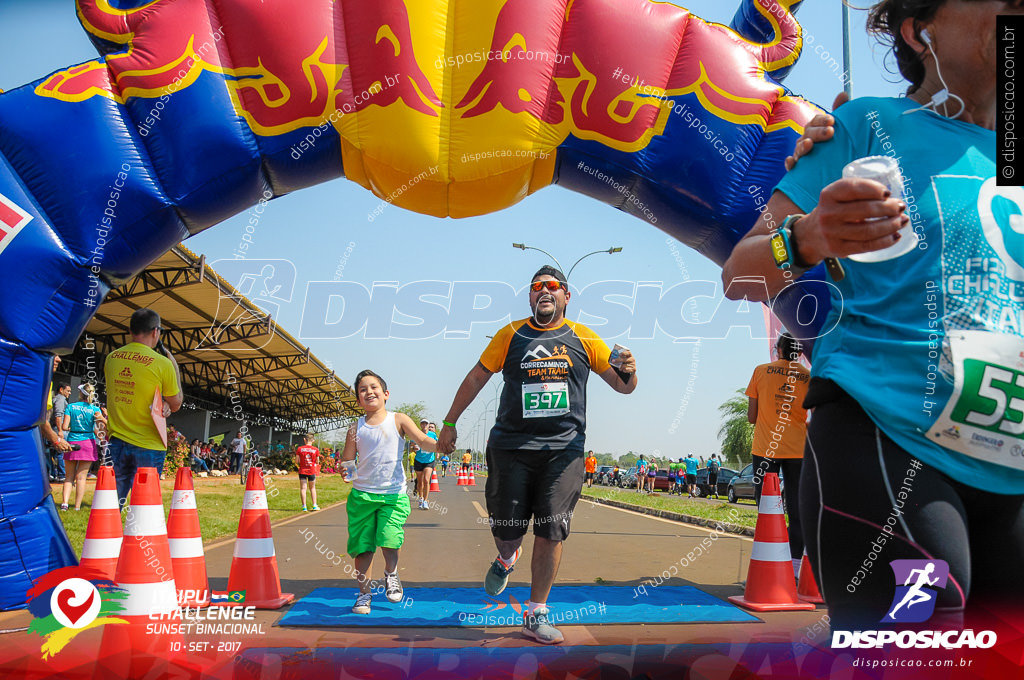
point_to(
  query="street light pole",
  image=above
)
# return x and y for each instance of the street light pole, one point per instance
(610, 251)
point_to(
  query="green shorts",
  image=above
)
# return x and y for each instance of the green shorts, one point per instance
(375, 521)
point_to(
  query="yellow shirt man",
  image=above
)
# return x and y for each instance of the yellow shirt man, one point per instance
(133, 374)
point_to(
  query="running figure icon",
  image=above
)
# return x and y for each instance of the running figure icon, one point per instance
(915, 595)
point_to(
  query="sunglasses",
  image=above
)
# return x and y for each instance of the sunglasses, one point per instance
(550, 285)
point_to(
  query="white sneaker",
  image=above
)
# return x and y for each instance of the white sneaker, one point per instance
(393, 587)
(362, 605)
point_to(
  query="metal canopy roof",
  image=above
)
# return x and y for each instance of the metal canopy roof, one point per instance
(225, 346)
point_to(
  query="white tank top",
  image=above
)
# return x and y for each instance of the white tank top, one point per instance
(379, 451)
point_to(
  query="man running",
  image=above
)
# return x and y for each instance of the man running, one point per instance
(535, 450)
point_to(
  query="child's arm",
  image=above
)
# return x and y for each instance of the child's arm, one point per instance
(350, 444)
(408, 429)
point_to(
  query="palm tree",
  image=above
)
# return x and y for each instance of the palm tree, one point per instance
(736, 433)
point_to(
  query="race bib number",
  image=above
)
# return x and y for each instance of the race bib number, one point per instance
(544, 400)
(984, 417)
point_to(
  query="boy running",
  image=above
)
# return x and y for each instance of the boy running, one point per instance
(307, 459)
(378, 505)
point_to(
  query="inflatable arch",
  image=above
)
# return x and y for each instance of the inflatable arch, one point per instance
(198, 109)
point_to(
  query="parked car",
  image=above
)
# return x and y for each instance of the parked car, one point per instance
(603, 474)
(724, 476)
(627, 478)
(742, 485)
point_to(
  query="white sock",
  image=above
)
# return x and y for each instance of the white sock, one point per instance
(796, 567)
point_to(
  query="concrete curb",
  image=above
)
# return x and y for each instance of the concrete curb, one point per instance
(674, 516)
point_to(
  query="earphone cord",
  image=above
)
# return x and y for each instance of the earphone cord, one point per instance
(943, 95)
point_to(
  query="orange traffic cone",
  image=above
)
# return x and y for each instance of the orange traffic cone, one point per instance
(462, 477)
(254, 565)
(434, 487)
(808, 588)
(771, 586)
(472, 479)
(145, 573)
(103, 535)
(186, 543)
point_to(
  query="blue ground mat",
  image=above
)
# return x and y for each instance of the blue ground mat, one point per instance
(570, 605)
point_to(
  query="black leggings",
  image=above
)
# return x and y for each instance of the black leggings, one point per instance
(791, 468)
(866, 502)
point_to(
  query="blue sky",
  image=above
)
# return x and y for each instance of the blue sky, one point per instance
(325, 229)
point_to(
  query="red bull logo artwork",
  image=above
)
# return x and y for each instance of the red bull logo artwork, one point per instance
(533, 75)
(451, 109)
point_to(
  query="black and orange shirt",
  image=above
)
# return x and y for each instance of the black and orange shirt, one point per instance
(544, 398)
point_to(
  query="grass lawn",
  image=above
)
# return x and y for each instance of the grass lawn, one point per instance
(219, 503)
(743, 514)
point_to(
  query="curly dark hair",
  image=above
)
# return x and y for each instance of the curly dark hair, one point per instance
(885, 20)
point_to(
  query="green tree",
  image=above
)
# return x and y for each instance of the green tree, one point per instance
(628, 460)
(736, 434)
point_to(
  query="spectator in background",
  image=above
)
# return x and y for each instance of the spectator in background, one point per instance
(237, 452)
(307, 460)
(713, 468)
(134, 373)
(197, 456)
(776, 392)
(49, 432)
(80, 420)
(589, 468)
(61, 398)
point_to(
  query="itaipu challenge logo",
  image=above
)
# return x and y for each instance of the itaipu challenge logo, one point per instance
(69, 601)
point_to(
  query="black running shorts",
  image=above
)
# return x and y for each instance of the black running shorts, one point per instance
(542, 485)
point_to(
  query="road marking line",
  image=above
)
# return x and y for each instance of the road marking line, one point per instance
(669, 521)
(479, 509)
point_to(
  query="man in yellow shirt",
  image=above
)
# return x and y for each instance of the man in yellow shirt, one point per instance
(467, 460)
(133, 374)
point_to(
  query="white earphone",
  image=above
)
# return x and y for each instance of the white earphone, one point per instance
(944, 95)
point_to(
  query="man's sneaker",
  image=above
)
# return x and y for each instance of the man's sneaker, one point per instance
(316, 507)
(497, 575)
(393, 587)
(362, 605)
(304, 509)
(536, 626)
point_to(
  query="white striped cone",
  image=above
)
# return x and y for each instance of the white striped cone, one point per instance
(103, 536)
(254, 565)
(462, 477)
(771, 585)
(186, 543)
(472, 480)
(145, 573)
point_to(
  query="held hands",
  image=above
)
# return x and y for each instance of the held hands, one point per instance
(446, 439)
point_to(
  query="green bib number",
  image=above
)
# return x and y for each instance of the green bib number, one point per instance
(545, 400)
